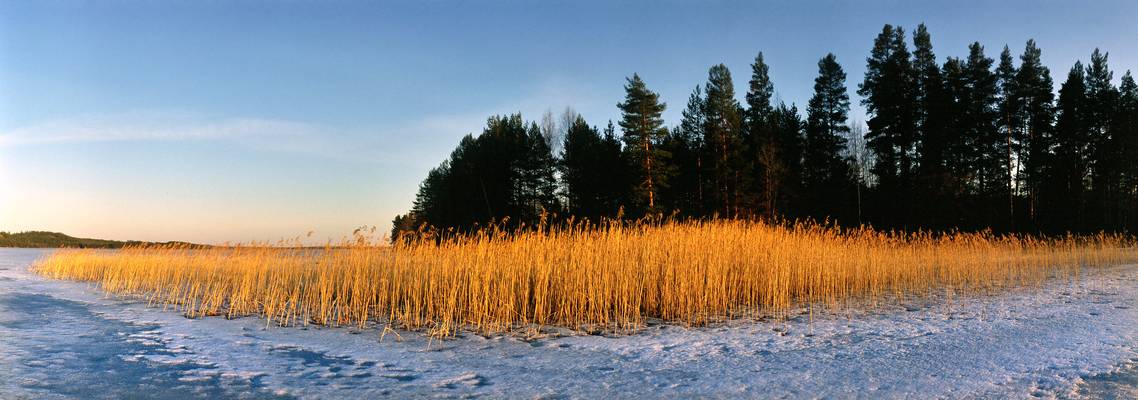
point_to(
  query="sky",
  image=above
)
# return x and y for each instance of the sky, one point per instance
(215, 121)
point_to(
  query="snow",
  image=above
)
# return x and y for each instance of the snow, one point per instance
(1067, 339)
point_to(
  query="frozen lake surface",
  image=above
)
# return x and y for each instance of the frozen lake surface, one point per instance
(1065, 340)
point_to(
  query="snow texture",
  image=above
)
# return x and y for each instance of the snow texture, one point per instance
(1068, 339)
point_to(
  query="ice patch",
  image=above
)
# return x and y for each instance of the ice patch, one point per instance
(468, 379)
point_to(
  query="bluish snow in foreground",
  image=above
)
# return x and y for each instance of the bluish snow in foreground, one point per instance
(1068, 339)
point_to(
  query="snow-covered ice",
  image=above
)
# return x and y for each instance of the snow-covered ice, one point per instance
(1068, 339)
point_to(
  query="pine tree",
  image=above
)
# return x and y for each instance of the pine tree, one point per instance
(825, 172)
(723, 142)
(644, 129)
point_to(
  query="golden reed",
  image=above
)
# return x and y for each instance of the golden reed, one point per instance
(614, 277)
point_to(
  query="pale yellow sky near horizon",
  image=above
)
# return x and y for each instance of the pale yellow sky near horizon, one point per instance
(95, 201)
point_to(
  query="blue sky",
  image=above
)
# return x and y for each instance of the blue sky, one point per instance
(235, 121)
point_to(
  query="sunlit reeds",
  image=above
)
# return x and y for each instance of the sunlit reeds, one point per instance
(612, 277)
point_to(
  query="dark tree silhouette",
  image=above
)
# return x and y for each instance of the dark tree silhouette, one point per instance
(978, 123)
(685, 144)
(1102, 103)
(968, 144)
(592, 171)
(1007, 124)
(772, 157)
(1068, 169)
(723, 143)
(889, 97)
(506, 173)
(825, 172)
(937, 187)
(1125, 131)
(1033, 99)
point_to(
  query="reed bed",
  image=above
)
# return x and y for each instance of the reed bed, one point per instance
(614, 277)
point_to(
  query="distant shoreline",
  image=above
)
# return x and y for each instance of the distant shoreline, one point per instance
(44, 239)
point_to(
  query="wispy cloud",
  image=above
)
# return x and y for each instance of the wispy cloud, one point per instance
(412, 143)
(405, 143)
(150, 126)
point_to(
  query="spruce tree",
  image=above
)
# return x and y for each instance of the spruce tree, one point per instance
(904, 109)
(957, 147)
(616, 187)
(782, 160)
(764, 154)
(877, 101)
(433, 202)
(536, 177)
(937, 187)
(576, 166)
(890, 100)
(926, 84)
(825, 172)
(979, 126)
(760, 90)
(685, 143)
(1101, 93)
(1069, 168)
(588, 164)
(1007, 124)
(643, 129)
(403, 227)
(507, 173)
(1034, 99)
(787, 146)
(723, 142)
(1102, 100)
(1125, 130)
(496, 169)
